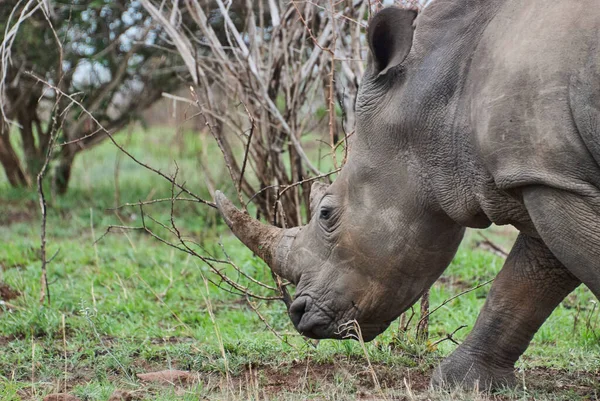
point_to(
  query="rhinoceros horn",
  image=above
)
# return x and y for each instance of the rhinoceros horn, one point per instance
(271, 244)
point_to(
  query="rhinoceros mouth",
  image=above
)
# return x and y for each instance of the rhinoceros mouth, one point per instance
(315, 320)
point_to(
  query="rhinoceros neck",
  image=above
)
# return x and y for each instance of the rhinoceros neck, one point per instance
(418, 115)
(446, 38)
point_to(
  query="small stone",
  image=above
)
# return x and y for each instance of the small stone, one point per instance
(61, 397)
(166, 377)
(121, 395)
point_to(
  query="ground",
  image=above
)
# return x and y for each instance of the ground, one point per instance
(127, 305)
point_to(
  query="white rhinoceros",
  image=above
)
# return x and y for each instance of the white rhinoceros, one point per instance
(476, 112)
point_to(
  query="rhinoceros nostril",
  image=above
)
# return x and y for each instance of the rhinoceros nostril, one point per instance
(297, 310)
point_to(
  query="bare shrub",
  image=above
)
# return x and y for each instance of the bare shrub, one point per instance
(275, 82)
(289, 70)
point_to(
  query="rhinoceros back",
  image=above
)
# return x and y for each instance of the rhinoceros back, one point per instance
(530, 127)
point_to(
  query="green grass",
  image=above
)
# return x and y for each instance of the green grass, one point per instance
(129, 304)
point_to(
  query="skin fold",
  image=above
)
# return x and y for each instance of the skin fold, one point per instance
(472, 113)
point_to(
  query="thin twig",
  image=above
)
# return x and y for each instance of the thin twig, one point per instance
(453, 298)
(112, 139)
(153, 201)
(245, 161)
(266, 323)
(45, 288)
(295, 184)
(449, 337)
(242, 291)
(497, 249)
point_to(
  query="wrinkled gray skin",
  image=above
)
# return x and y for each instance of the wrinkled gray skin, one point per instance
(491, 114)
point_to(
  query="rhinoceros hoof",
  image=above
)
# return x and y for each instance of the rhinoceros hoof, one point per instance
(471, 374)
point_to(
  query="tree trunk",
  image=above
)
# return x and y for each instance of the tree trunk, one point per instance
(10, 162)
(62, 172)
(32, 155)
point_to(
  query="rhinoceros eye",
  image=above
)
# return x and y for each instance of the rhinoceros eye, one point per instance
(325, 213)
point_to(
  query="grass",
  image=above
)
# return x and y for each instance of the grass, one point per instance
(128, 304)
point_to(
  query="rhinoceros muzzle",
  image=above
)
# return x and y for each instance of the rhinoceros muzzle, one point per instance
(313, 319)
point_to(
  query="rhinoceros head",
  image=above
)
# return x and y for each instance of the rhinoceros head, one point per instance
(374, 243)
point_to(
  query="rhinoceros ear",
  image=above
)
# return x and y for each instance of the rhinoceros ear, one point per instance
(390, 37)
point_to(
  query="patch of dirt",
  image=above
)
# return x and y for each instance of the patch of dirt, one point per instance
(7, 293)
(395, 381)
(584, 384)
(302, 377)
(5, 340)
(294, 377)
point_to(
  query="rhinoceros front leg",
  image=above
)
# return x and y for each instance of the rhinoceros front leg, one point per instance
(527, 289)
(570, 225)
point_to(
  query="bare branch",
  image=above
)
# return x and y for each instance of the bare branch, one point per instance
(109, 134)
(447, 301)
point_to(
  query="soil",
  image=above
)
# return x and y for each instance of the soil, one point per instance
(7, 293)
(584, 384)
(303, 377)
(299, 377)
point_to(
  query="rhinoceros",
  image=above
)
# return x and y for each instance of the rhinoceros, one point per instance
(470, 114)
